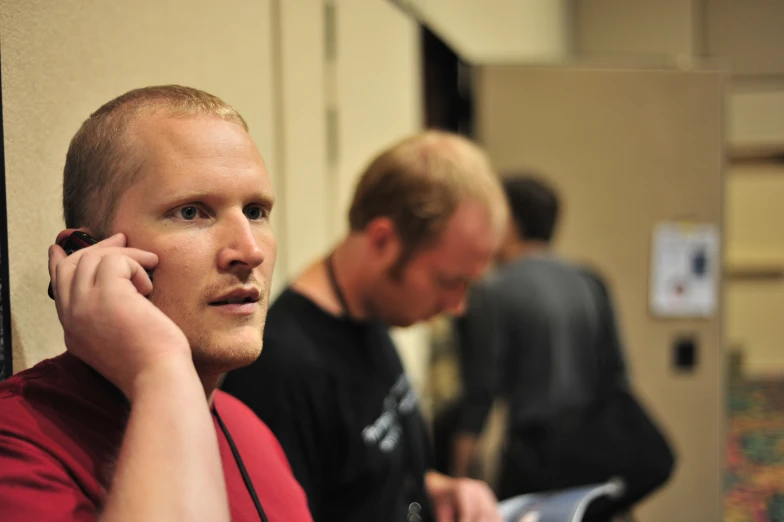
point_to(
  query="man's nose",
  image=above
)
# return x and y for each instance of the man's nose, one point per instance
(240, 245)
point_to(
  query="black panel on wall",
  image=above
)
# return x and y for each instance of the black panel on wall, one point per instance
(5, 305)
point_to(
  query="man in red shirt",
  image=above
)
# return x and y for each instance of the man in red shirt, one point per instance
(127, 423)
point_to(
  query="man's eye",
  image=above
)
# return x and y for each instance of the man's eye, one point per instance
(189, 213)
(255, 212)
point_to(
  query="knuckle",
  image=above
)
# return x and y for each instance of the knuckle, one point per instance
(109, 258)
(90, 255)
(112, 261)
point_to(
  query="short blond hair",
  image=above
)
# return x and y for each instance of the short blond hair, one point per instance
(418, 184)
(102, 161)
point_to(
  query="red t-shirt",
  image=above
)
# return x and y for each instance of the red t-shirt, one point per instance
(61, 427)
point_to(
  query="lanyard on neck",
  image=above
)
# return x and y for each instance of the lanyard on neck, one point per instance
(243, 471)
(375, 341)
(333, 281)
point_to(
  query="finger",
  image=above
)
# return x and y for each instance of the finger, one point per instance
(143, 257)
(83, 277)
(116, 269)
(141, 279)
(494, 515)
(486, 502)
(491, 506)
(489, 512)
(469, 506)
(466, 510)
(445, 512)
(88, 260)
(61, 279)
(56, 254)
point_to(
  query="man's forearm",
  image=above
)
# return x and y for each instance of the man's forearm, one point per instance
(169, 466)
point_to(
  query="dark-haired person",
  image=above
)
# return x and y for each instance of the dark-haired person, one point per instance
(541, 332)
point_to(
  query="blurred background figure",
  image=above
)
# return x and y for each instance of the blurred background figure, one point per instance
(541, 332)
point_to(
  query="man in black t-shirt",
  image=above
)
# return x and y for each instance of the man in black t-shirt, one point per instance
(426, 218)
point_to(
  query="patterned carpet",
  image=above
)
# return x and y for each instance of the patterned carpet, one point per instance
(754, 482)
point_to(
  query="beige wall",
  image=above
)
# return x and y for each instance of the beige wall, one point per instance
(746, 35)
(61, 60)
(635, 27)
(501, 30)
(756, 117)
(300, 99)
(618, 178)
(755, 240)
(378, 88)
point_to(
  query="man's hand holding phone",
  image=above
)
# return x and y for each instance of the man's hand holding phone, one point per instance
(108, 322)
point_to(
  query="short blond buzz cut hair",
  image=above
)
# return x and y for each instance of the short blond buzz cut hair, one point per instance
(102, 161)
(419, 182)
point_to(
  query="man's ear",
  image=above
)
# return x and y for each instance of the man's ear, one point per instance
(383, 239)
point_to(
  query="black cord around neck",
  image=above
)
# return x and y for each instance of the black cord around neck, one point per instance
(333, 281)
(243, 471)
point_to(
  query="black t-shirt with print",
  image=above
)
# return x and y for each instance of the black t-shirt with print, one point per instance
(334, 393)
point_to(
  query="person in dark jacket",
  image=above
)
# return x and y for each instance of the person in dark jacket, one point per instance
(541, 332)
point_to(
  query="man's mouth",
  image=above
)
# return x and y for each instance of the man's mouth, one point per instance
(234, 300)
(238, 296)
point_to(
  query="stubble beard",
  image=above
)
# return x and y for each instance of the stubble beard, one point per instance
(215, 349)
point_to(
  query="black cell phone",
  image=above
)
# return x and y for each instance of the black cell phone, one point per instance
(77, 241)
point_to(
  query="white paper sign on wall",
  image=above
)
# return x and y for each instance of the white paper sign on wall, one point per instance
(685, 265)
